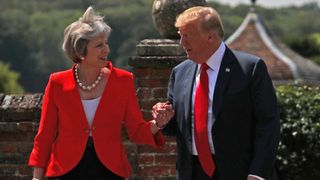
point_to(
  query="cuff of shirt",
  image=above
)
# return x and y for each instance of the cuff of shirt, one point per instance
(260, 178)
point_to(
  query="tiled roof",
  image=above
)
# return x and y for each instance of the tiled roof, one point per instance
(283, 64)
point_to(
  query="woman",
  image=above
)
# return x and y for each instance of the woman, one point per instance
(84, 108)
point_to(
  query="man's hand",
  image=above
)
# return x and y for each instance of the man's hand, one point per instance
(162, 112)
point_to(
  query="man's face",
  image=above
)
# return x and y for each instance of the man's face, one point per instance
(195, 42)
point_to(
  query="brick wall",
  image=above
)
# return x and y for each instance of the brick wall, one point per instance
(19, 117)
(20, 114)
(152, 67)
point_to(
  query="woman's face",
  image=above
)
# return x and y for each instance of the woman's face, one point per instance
(97, 51)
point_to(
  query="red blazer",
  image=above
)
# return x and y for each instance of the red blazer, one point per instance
(64, 130)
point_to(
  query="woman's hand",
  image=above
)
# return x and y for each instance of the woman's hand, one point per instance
(162, 112)
(38, 173)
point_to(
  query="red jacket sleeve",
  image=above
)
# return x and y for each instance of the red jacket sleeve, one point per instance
(138, 129)
(47, 129)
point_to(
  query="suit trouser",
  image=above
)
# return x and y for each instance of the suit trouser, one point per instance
(89, 168)
(199, 174)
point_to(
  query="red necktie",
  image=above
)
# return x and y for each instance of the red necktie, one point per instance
(201, 122)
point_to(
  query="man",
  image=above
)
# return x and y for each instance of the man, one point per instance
(226, 119)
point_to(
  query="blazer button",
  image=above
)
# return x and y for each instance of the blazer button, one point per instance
(93, 128)
(87, 130)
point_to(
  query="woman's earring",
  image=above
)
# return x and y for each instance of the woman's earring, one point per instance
(82, 58)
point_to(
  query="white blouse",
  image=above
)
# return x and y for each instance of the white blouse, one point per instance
(90, 108)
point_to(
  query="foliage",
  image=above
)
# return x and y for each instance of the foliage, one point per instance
(291, 21)
(316, 39)
(299, 151)
(315, 59)
(291, 25)
(31, 32)
(307, 46)
(8, 80)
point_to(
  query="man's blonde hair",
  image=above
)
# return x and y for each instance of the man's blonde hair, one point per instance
(207, 17)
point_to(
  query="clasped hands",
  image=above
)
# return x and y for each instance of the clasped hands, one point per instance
(162, 113)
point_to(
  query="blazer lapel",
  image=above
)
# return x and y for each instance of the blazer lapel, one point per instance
(74, 97)
(104, 105)
(222, 80)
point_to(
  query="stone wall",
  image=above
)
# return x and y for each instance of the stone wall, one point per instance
(19, 117)
(20, 114)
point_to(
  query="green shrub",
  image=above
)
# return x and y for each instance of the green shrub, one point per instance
(9, 80)
(299, 151)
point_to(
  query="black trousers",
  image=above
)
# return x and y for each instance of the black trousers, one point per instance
(199, 174)
(89, 168)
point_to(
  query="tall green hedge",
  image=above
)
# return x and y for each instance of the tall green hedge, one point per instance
(299, 150)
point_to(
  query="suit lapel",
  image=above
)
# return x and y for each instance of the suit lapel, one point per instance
(222, 80)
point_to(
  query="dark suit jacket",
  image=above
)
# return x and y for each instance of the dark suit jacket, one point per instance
(64, 130)
(247, 129)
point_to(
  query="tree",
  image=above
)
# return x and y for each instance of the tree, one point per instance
(9, 80)
(31, 32)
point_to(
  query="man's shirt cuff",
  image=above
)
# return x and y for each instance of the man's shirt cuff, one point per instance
(260, 178)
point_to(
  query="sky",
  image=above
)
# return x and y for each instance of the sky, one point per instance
(269, 3)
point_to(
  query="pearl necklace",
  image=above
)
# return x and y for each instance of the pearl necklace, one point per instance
(83, 87)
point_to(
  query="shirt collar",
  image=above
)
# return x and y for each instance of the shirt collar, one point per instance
(215, 59)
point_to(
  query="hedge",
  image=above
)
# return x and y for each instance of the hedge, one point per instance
(299, 151)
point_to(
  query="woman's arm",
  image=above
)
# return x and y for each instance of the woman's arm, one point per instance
(38, 173)
(47, 131)
(139, 130)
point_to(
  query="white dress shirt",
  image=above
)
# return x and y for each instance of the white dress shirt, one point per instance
(214, 63)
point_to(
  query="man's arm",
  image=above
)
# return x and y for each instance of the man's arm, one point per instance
(170, 128)
(267, 129)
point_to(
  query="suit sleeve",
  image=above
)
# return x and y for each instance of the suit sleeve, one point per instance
(170, 88)
(139, 131)
(267, 129)
(41, 151)
(170, 129)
